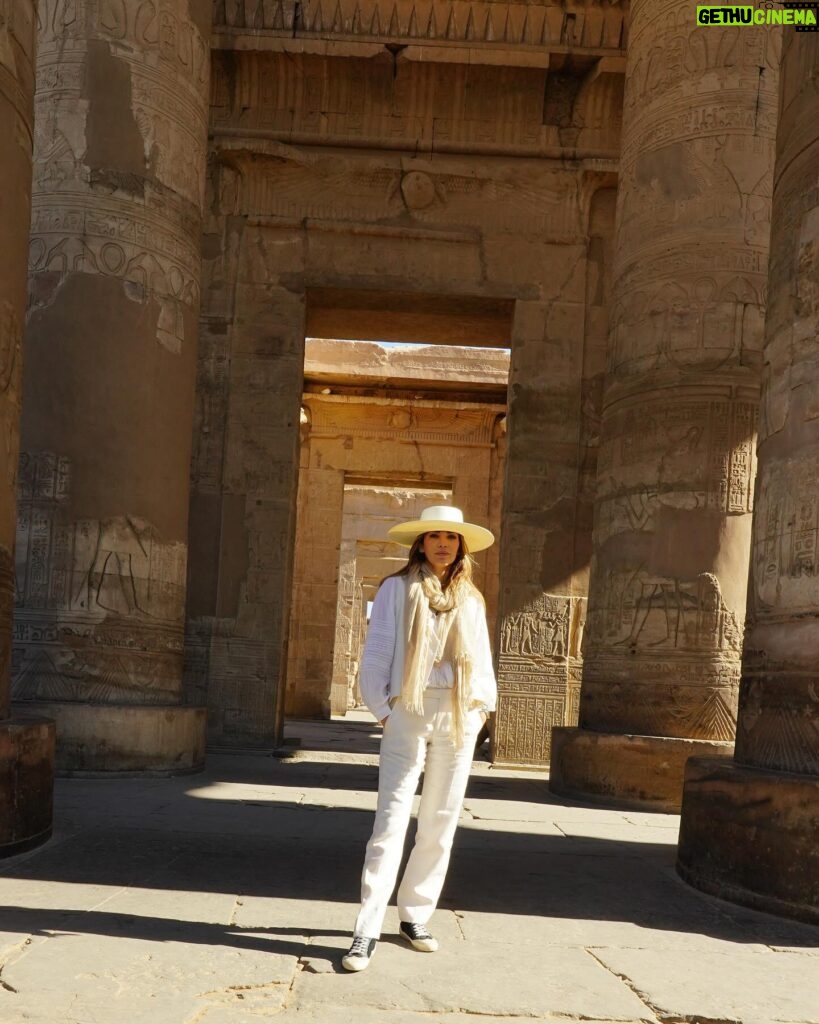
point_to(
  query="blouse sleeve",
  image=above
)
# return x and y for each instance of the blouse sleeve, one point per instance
(484, 681)
(379, 649)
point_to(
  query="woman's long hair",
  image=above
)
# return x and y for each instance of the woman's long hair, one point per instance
(458, 575)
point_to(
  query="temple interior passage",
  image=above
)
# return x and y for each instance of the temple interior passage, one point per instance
(277, 275)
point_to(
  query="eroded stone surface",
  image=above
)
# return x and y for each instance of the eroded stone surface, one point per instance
(327, 225)
(119, 163)
(673, 515)
(727, 847)
(26, 748)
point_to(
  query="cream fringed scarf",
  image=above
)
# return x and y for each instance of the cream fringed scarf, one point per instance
(424, 592)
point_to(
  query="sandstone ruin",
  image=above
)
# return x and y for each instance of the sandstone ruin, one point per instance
(584, 184)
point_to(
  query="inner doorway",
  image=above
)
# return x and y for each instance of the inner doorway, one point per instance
(387, 429)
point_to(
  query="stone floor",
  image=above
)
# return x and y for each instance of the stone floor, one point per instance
(226, 898)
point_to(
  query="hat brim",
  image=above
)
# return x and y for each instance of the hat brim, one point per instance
(477, 538)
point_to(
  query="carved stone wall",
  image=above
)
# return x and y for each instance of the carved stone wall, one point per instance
(749, 825)
(26, 748)
(675, 474)
(119, 165)
(419, 194)
(455, 24)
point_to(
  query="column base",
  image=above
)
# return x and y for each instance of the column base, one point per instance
(126, 739)
(26, 783)
(621, 770)
(748, 835)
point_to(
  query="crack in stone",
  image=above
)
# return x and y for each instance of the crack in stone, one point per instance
(19, 948)
(657, 1015)
(696, 1018)
(235, 992)
(237, 902)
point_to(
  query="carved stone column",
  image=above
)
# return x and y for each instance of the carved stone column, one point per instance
(542, 586)
(750, 825)
(675, 473)
(121, 116)
(26, 746)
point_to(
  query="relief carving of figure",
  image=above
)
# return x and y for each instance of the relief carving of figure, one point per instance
(671, 612)
(119, 568)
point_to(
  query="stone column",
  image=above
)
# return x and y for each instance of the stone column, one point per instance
(541, 584)
(26, 746)
(673, 506)
(750, 825)
(121, 115)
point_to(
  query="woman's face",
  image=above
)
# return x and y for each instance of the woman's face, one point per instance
(440, 550)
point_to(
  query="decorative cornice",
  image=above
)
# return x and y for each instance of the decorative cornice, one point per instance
(596, 25)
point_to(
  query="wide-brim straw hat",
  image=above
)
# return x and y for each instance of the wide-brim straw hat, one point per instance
(442, 517)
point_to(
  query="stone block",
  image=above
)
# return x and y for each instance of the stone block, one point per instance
(26, 783)
(623, 770)
(750, 836)
(111, 739)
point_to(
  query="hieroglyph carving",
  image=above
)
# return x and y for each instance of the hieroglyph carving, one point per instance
(698, 325)
(682, 52)
(785, 551)
(113, 584)
(637, 609)
(533, 677)
(700, 454)
(161, 28)
(145, 228)
(538, 631)
(112, 238)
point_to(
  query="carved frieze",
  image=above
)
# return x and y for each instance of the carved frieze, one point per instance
(595, 25)
(155, 258)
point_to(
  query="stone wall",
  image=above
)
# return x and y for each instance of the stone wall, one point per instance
(314, 193)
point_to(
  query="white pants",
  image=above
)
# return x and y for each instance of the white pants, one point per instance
(412, 743)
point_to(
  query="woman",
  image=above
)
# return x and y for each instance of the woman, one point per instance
(427, 676)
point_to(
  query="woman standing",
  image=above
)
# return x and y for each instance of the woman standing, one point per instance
(427, 676)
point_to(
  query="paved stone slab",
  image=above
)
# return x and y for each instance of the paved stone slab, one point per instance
(462, 979)
(750, 987)
(127, 969)
(227, 899)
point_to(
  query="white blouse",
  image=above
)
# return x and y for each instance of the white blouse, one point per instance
(382, 664)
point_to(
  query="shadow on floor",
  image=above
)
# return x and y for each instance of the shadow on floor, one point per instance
(161, 835)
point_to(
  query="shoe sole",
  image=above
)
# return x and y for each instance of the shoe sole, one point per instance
(354, 967)
(419, 948)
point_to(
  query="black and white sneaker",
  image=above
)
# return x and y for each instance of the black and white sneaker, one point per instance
(418, 937)
(358, 955)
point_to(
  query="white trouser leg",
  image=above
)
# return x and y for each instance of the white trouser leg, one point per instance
(445, 778)
(403, 750)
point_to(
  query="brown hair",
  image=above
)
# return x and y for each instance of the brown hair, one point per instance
(459, 574)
